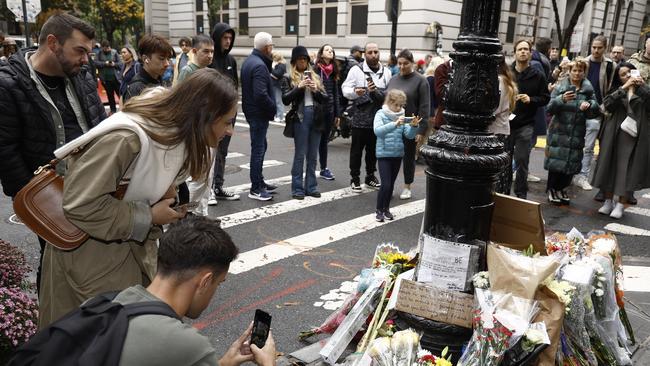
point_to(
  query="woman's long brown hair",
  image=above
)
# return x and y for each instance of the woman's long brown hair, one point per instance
(186, 113)
(509, 82)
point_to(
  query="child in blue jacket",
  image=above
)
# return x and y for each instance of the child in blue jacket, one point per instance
(390, 125)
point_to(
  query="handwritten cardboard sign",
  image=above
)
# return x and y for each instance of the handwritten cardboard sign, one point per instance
(435, 303)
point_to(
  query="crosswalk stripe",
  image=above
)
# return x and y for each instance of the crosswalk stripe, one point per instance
(626, 230)
(636, 278)
(266, 164)
(241, 188)
(638, 211)
(279, 208)
(305, 242)
(232, 155)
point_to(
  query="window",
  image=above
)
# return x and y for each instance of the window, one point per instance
(322, 17)
(243, 23)
(510, 32)
(199, 5)
(243, 4)
(220, 13)
(358, 17)
(630, 6)
(199, 24)
(513, 6)
(291, 17)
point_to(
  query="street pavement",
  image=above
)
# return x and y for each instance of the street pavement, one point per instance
(299, 259)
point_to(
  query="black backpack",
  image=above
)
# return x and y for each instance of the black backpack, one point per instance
(91, 335)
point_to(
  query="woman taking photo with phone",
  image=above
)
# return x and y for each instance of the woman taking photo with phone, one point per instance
(304, 90)
(624, 155)
(572, 102)
(153, 144)
(416, 88)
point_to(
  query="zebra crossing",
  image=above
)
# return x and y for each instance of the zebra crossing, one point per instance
(285, 248)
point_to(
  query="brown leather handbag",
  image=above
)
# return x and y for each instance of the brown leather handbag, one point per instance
(39, 205)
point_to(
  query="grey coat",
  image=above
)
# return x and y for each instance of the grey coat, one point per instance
(616, 105)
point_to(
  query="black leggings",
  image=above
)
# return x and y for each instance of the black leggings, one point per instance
(388, 170)
(409, 160)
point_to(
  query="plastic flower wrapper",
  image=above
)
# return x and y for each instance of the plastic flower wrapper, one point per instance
(335, 319)
(380, 352)
(571, 243)
(388, 253)
(499, 322)
(534, 341)
(404, 345)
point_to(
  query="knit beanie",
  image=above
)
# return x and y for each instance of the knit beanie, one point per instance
(298, 52)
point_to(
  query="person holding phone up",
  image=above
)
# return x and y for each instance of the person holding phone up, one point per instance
(624, 158)
(418, 103)
(572, 102)
(304, 90)
(392, 129)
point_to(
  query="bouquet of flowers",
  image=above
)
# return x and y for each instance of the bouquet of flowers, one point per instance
(426, 358)
(335, 319)
(400, 350)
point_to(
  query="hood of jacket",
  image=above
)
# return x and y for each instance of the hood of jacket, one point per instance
(217, 33)
(640, 57)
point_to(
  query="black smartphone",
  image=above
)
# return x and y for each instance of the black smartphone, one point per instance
(571, 88)
(261, 327)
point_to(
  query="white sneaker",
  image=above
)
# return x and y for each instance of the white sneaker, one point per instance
(617, 212)
(607, 208)
(581, 181)
(212, 200)
(533, 179)
(406, 194)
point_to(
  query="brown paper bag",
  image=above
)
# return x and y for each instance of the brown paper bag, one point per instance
(552, 314)
(517, 223)
(517, 274)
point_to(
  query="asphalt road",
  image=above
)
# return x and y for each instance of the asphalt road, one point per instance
(298, 257)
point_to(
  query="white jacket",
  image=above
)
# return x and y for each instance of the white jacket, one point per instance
(357, 79)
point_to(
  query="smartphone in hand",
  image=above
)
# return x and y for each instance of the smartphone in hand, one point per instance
(261, 328)
(307, 74)
(635, 73)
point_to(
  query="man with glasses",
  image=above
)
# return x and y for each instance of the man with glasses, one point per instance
(365, 86)
(258, 104)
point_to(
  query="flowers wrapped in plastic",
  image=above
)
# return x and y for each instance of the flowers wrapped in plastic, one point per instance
(499, 322)
(399, 350)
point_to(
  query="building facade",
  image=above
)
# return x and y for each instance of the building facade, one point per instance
(422, 27)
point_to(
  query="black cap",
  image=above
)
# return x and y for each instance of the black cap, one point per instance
(356, 48)
(297, 52)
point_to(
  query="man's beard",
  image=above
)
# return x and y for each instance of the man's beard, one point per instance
(70, 69)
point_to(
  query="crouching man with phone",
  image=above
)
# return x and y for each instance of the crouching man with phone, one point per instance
(193, 260)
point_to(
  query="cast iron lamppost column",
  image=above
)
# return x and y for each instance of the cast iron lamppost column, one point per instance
(463, 158)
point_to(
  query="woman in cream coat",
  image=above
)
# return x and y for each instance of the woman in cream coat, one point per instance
(157, 140)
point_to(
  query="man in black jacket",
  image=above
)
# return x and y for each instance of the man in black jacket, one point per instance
(46, 100)
(533, 93)
(224, 38)
(155, 52)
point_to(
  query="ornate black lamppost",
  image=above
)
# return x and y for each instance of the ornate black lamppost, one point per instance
(463, 158)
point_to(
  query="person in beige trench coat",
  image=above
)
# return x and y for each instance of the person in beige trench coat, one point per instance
(156, 141)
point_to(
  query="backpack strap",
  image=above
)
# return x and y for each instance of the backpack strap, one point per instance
(150, 308)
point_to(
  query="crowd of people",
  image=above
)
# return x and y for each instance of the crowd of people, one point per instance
(576, 103)
(165, 149)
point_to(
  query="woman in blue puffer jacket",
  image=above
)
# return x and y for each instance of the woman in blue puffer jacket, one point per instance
(389, 126)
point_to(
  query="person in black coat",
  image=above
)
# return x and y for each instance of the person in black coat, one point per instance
(224, 38)
(47, 98)
(155, 52)
(328, 71)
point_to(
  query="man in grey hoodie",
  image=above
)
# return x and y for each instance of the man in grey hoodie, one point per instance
(224, 38)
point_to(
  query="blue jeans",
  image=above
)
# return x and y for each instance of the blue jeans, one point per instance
(593, 126)
(258, 130)
(279, 106)
(388, 170)
(306, 139)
